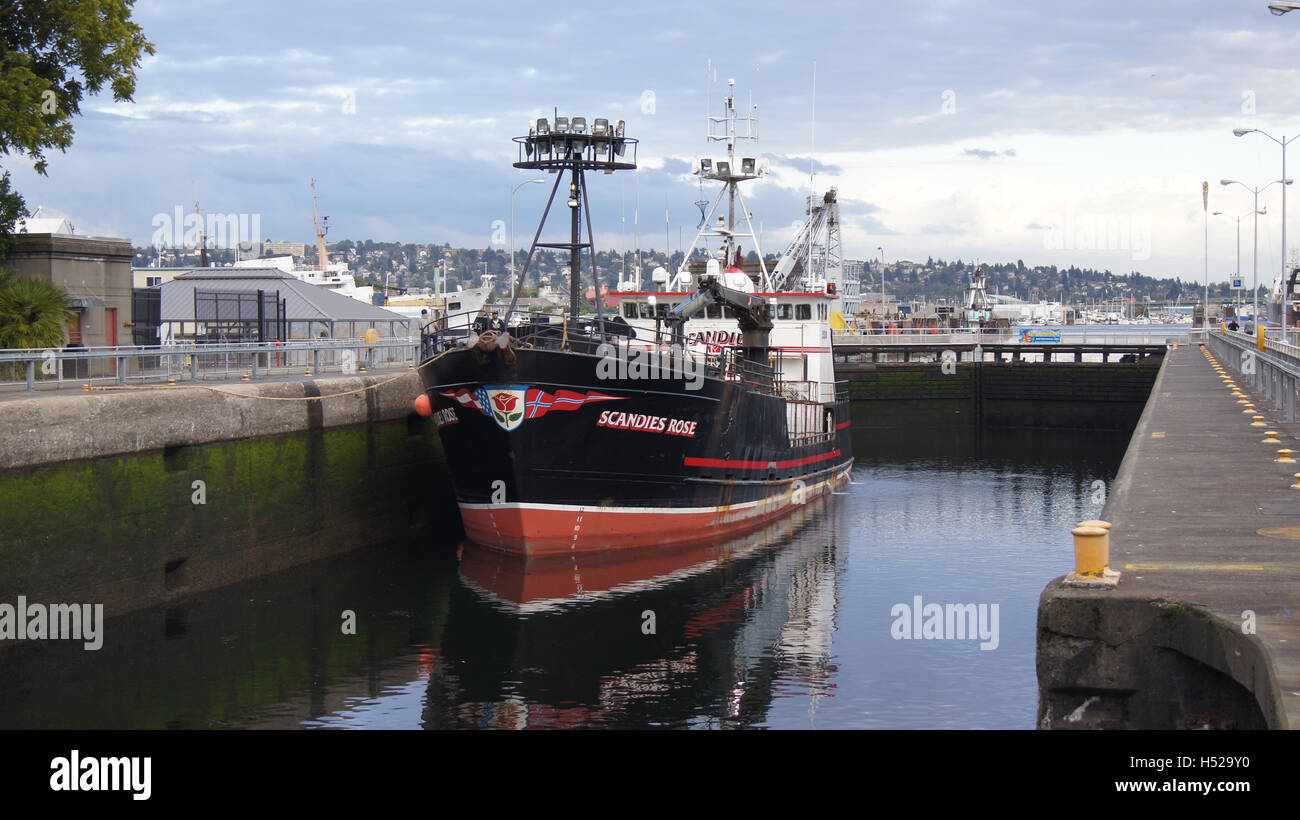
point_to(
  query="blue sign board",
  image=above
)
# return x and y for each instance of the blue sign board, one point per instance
(1030, 336)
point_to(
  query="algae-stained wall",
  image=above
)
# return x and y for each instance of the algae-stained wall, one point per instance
(214, 659)
(990, 394)
(129, 531)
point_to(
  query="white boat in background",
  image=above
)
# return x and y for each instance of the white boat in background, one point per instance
(336, 276)
(457, 308)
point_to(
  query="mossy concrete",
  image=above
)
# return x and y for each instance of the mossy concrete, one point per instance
(202, 508)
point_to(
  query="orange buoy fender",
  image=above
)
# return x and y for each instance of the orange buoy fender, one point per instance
(423, 406)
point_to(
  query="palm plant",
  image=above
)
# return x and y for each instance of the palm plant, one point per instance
(33, 313)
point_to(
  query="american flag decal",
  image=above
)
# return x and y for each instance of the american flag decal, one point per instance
(465, 398)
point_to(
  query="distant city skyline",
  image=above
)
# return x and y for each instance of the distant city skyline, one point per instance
(1059, 135)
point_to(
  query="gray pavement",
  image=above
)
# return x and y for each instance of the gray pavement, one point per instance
(1203, 517)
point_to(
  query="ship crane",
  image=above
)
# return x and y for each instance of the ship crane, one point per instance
(322, 228)
(750, 311)
(818, 237)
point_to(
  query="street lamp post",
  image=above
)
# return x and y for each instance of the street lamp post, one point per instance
(513, 285)
(884, 303)
(1241, 132)
(1255, 264)
(1238, 219)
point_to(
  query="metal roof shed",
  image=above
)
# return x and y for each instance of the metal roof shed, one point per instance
(309, 310)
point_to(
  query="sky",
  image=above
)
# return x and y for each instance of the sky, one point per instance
(1054, 133)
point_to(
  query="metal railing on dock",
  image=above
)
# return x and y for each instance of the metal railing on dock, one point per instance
(1273, 373)
(54, 368)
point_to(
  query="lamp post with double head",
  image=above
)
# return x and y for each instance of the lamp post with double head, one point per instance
(1238, 219)
(1284, 142)
(1255, 264)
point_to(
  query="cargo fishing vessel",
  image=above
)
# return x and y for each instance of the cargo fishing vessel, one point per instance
(701, 407)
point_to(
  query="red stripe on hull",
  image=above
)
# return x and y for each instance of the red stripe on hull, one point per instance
(549, 531)
(692, 461)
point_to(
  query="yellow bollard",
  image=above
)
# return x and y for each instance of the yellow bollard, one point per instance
(1284, 457)
(1296, 485)
(85, 387)
(308, 373)
(244, 377)
(1250, 408)
(1257, 421)
(1090, 550)
(1270, 437)
(1092, 556)
(1105, 526)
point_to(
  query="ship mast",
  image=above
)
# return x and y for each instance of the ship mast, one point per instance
(322, 228)
(568, 147)
(729, 127)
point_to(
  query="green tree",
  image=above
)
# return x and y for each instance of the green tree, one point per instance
(33, 313)
(53, 53)
(12, 209)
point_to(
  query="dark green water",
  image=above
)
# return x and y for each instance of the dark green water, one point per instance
(790, 627)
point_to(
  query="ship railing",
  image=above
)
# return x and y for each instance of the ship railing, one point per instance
(799, 390)
(549, 331)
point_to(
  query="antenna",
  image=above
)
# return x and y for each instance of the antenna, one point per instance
(812, 151)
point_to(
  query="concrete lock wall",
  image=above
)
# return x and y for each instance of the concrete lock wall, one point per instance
(100, 502)
(1057, 395)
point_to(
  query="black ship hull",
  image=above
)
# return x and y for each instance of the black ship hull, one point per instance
(550, 452)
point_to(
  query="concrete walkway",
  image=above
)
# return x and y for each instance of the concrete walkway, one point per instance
(1205, 528)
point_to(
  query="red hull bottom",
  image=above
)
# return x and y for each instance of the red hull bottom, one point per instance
(554, 529)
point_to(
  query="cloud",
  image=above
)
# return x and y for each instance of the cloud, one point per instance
(982, 153)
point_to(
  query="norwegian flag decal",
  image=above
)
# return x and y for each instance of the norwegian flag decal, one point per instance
(539, 402)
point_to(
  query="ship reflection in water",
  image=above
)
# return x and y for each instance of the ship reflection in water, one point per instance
(693, 635)
(789, 626)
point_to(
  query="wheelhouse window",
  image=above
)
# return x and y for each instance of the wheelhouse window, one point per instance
(803, 312)
(785, 311)
(713, 311)
(647, 310)
(629, 310)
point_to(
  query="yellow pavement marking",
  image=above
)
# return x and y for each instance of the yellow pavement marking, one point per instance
(1178, 566)
(1157, 435)
(1292, 533)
